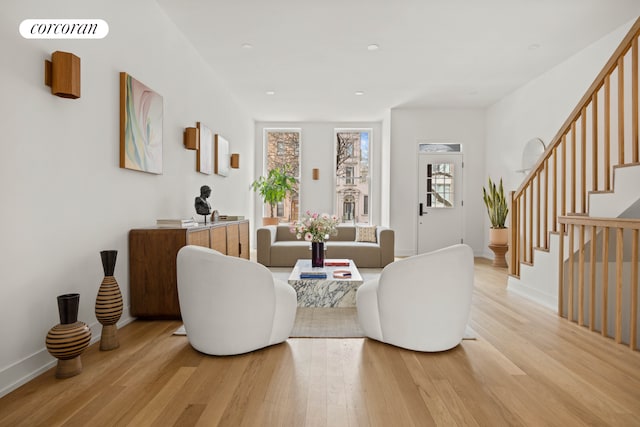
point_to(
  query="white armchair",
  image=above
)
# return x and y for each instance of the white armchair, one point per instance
(420, 303)
(230, 305)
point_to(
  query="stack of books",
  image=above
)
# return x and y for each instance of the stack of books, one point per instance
(190, 222)
(342, 274)
(313, 274)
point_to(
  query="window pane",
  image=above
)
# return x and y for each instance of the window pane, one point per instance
(283, 150)
(440, 185)
(352, 175)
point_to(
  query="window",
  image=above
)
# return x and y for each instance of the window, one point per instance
(353, 179)
(282, 149)
(440, 185)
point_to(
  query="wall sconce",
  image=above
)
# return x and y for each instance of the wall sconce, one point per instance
(315, 174)
(191, 138)
(62, 73)
(235, 161)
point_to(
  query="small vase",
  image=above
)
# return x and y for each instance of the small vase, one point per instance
(109, 302)
(317, 254)
(67, 340)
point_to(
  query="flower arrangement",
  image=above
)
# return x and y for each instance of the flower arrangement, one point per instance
(316, 227)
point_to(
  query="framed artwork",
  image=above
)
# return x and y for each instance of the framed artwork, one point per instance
(222, 156)
(204, 157)
(141, 113)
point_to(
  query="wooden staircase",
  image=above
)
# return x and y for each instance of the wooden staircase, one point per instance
(553, 211)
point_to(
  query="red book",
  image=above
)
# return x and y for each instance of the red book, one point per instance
(336, 262)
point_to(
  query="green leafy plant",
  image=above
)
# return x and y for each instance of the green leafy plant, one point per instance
(274, 187)
(496, 204)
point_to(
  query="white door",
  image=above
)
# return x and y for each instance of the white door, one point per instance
(439, 201)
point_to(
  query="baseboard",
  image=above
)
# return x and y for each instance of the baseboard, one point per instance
(517, 287)
(39, 362)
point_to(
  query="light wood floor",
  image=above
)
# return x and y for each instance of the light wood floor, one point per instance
(527, 367)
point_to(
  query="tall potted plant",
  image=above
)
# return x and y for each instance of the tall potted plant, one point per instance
(274, 189)
(497, 209)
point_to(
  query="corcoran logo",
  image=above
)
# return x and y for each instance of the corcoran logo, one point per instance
(64, 28)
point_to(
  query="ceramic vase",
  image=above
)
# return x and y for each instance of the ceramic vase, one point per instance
(67, 340)
(317, 254)
(109, 302)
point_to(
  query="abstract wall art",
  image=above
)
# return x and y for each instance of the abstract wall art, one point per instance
(204, 158)
(141, 113)
(222, 156)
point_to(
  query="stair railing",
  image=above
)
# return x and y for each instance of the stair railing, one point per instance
(587, 288)
(581, 157)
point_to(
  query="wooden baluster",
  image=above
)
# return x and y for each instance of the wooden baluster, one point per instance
(530, 247)
(607, 133)
(524, 224)
(538, 210)
(514, 238)
(592, 278)
(605, 282)
(518, 233)
(583, 161)
(594, 141)
(570, 278)
(634, 100)
(619, 264)
(581, 277)
(554, 215)
(621, 110)
(634, 291)
(563, 192)
(545, 211)
(573, 167)
(561, 270)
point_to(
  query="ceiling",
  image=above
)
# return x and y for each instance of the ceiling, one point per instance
(432, 53)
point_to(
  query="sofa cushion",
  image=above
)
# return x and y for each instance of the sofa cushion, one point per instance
(366, 233)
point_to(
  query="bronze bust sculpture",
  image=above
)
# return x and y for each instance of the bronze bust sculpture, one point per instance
(201, 204)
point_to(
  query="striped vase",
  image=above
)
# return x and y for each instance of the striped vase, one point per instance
(109, 302)
(67, 340)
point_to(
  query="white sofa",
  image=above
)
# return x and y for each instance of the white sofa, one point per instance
(420, 303)
(230, 305)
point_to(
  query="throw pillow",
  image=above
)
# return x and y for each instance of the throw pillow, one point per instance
(366, 233)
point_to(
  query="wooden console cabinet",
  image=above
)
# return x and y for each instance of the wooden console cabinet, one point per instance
(153, 288)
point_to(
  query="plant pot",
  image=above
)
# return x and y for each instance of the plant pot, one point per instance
(498, 236)
(269, 220)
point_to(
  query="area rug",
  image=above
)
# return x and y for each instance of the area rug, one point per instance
(324, 322)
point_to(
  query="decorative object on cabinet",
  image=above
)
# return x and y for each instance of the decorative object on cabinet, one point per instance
(315, 174)
(201, 204)
(204, 159)
(62, 73)
(152, 261)
(109, 302)
(222, 156)
(191, 138)
(140, 126)
(67, 340)
(235, 161)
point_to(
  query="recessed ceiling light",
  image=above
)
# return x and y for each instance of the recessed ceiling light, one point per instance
(473, 92)
(533, 46)
(359, 93)
(270, 92)
(373, 47)
(247, 45)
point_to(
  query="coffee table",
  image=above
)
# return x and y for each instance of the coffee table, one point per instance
(329, 292)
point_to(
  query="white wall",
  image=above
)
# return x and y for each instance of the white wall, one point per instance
(317, 151)
(539, 108)
(408, 127)
(64, 198)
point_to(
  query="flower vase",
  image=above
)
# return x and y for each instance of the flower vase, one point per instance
(67, 340)
(317, 254)
(109, 302)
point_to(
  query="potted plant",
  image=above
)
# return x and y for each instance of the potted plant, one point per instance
(497, 209)
(273, 189)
